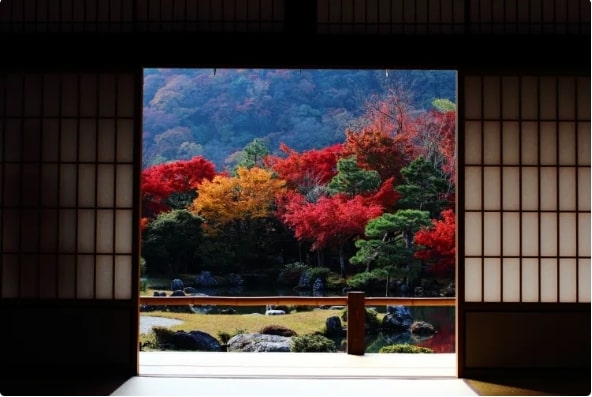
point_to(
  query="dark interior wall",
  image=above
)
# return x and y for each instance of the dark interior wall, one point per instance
(527, 340)
(38, 334)
(76, 339)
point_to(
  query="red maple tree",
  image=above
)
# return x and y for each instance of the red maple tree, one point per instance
(332, 221)
(438, 244)
(162, 180)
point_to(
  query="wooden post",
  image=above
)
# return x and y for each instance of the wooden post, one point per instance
(356, 323)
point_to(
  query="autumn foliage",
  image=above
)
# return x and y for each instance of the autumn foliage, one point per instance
(438, 244)
(248, 195)
(159, 182)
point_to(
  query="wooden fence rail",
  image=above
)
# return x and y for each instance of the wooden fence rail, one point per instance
(355, 301)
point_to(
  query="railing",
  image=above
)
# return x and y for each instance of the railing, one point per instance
(356, 303)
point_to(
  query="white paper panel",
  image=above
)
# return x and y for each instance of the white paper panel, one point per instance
(511, 280)
(583, 189)
(567, 234)
(584, 237)
(511, 185)
(123, 277)
(50, 95)
(67, 231)
(530, 280)
(68, 140)
(567, 143)
(473, 234)
(530, 234)
(87, 148)
(549, 280)
(530, 143)
(491, 142)
(584, 143)
(492, 277)
(548, 98)
(104, 231)
(125, 184)
(105, 186)
(107, 95)
(491, 91)
(549, 143)
(492, 234)
(88, 91)
(511, 226)
(125, 95)
(85, 276)
(472, 97)
(511, 145)
(66, 280)
(510, 97)
(123, 223)
(12, 177)
(530, 188)
(12, 139)
(29, 230)
(473, 188)
(10, 276)
(86, 231)
(473, 280)
(472, 142)
(584, 278)
(48, 273)
(567, 280)
(529, 98)
(492, 188)
(125, 141)
(567, 189)
(33, 93)
(69, 95)
(104, 277)
(28, 274)
(10, 223)
(51, 141)
(86, 185)
(583, 98)
(67, 185)
(50, 185)
(106, 144)
(549, 189)
(49, 230)
(549, 232)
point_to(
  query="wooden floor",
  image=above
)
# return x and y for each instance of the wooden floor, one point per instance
(292, 374)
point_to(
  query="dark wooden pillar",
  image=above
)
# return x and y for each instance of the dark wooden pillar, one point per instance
(356, 323)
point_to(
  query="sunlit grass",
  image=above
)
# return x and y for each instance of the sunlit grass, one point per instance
(306, 322)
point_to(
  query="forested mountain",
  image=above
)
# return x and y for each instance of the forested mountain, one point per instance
(215, 113)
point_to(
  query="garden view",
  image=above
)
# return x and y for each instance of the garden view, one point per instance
(266, 182)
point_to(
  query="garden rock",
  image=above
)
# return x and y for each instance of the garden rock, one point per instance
(259, 343)
(195, 340)
(333, 327)
(398, 318)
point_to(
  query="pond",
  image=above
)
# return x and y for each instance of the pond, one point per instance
(441, 317)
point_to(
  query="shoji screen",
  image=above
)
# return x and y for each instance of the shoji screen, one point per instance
(390, 16)
(142, 15)
(527, 189)
(67, 181)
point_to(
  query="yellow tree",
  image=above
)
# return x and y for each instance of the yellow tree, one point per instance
(237, 200)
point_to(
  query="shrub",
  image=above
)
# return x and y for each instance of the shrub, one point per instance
(279, 330)
(314, 343)
(367, 280)
(291, 273)
(161, 338)
(224, 337)
(404, 348)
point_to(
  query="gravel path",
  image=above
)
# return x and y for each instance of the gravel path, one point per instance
(147, 322)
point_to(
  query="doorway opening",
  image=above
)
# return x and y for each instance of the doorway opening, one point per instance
(298, 182)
